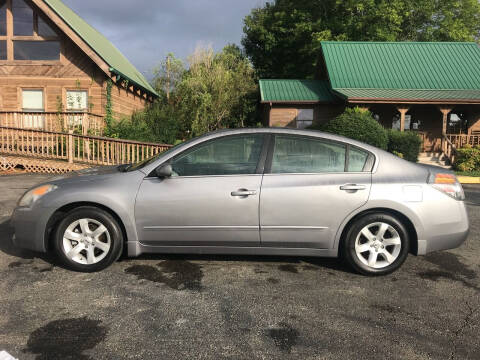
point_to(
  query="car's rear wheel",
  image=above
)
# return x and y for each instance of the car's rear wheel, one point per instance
(376, 244)
(88, 239)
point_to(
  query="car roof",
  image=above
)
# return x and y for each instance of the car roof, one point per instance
(289, 131)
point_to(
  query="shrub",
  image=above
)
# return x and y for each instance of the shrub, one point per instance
(468, 158)
(358, 124)
(156, 123)
(406, 143)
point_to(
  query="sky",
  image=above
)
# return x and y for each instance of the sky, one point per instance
(145, 31)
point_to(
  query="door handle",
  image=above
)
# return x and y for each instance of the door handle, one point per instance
(243, 193)
(352, 187)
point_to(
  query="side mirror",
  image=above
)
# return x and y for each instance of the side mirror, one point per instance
(164, 171)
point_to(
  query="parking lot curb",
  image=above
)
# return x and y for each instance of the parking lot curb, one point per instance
(468, 179)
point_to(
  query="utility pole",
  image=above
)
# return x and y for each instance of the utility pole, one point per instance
(168, 77)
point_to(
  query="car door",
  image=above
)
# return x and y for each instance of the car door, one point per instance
(310, 186)
(212, 198)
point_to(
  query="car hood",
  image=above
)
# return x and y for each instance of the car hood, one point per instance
(89, 174)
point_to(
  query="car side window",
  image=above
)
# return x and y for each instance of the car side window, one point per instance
(230, 155)
(357, 159)
(307, 155)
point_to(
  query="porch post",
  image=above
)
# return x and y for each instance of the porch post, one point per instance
(269, 121)
(70, 149)
(403, 111)
(445, 111)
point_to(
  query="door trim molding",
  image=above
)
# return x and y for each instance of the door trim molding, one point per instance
(268, 227)
(200, 228)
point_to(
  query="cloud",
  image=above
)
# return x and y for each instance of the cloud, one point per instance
(146, 30)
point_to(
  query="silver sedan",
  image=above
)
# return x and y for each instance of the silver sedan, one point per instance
(249, 191)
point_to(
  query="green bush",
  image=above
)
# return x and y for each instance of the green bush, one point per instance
(157, 123)
(406, 143)
(358, 124)
(399, 154)
(468, 159)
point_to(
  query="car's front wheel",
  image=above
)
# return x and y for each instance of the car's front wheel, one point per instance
(88, 239)
(376, 244)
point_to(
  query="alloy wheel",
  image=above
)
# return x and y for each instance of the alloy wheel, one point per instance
(86, 241)
(378, 245)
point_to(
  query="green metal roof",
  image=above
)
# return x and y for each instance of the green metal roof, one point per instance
(118, 63)
(277, 90)
(411, 95)
(435, 71)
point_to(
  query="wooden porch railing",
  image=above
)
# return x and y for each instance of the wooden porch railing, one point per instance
(87, 123)
(452, 142)
(449, 148)
(460, 140)
(75, 148)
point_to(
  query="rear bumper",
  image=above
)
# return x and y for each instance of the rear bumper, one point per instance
(30, 225)
(446, 235)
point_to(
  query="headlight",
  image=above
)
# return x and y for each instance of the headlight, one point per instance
(33, 195)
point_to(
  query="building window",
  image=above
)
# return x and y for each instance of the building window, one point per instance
(457, 123)
(22, 18)
(3, 17)
(77, 101)
(44, 29)
(36, 50)
(39, 41)
(3, 50)
(32, 102)
(396, 122)
(304, 118)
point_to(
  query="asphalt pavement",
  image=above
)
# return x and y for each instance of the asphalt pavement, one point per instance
(237, 307)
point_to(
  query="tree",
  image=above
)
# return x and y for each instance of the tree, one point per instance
(216, 91)
(168, 74)
(244, 110)
(282, 39)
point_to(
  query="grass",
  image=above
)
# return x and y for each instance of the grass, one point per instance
(468, 173)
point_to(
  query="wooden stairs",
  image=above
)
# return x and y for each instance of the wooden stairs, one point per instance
(435, 158)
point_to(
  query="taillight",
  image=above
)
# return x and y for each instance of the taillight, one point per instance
(448, 184)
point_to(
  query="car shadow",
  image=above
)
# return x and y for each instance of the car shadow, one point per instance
(335, 264)
(7, 246)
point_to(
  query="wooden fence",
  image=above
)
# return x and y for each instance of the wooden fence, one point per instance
(86, 123)
(74, 147)
(460, 140)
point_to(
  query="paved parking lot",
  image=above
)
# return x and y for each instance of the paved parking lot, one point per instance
(176, 307)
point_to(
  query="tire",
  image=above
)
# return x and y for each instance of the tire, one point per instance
(370, 253)
(88, 239)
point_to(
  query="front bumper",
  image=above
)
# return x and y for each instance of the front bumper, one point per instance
(30, 226)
